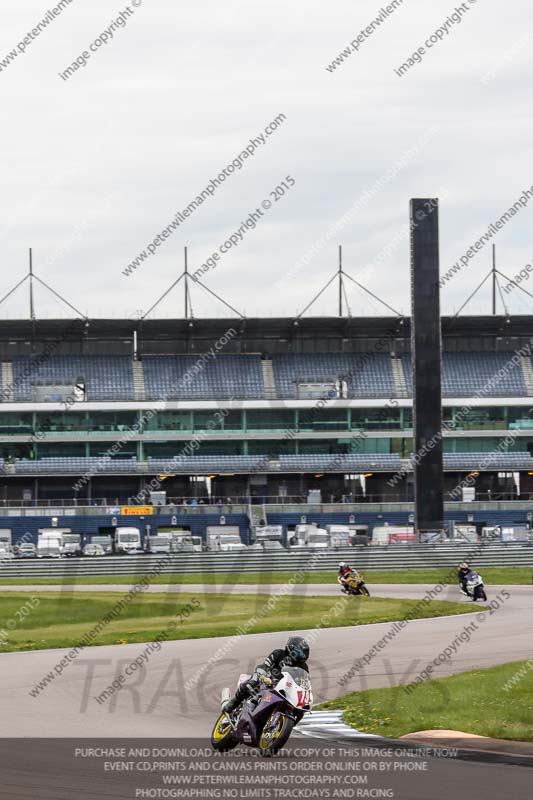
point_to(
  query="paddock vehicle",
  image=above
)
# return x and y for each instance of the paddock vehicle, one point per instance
(71, 544)
(224, 541)
(25, 550)
(310, 536)
(49, 550)
(266, 719)
(6, 554)
(49, 546)
(475, 588)
(128, 541)
(106, 542)
(184, 542)
(92, 549)
(392, 534)
(158, 544)
(355, 584)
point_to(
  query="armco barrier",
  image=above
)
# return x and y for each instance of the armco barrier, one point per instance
(396, 557)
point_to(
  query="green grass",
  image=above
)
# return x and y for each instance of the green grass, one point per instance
(472, 702)
(492, 575)
(61, 621)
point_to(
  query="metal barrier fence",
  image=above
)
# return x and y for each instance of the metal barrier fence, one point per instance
(400, 556)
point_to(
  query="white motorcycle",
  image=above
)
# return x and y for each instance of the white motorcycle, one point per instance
(475, 588)
(266, 719)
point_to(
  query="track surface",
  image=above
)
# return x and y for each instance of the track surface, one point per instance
(154, 701)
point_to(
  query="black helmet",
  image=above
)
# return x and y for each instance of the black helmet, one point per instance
(298, 649)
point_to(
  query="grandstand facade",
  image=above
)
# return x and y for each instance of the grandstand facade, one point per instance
(268, 409)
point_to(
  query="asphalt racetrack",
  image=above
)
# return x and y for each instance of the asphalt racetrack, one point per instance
(177, 690)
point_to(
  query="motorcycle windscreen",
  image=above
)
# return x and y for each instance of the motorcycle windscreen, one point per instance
(296, 686)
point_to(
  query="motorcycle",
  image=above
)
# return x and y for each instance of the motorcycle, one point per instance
(355, 584)
(266, 719)
(475, 588)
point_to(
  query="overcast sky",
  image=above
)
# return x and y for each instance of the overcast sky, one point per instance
(96, 166)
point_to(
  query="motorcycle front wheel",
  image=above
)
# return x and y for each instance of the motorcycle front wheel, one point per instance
(479, 593)
(223, 736)
(364, 591)
(275, 733)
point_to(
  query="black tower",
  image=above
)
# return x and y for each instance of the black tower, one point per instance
(426, 365)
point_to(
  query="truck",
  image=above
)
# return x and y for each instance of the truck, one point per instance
(106, 542)
(506, 533)
(49, 545)
(157, 544)
(185, 543)
(70, 544)
(392, 534)
(466, 533)
(310, 536)
(224, 538)
(339, 535)
(128, 541)
(268, 537)
(358, 534)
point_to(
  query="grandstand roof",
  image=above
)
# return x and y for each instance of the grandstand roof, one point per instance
(183, 335)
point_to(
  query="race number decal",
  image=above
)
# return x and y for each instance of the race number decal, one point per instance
(304, 697)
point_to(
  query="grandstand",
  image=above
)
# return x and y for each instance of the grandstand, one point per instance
(262, 411)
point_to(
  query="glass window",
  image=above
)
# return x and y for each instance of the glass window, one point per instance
(218, 420)
(170, 421)
(15, 423)
(271, 447)
(127, 449)
(376, 419)
(323, 419)
(270, 420)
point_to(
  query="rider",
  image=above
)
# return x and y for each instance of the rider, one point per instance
(462, 572)
(345, 570)
(294, 654)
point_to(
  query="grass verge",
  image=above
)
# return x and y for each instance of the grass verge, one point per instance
(53, 620)
(496, 702)
(491, 575)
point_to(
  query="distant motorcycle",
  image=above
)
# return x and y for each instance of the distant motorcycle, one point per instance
(475, 588)
(266, 719)
(355, 584)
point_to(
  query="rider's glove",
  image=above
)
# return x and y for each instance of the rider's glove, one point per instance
(260, 675)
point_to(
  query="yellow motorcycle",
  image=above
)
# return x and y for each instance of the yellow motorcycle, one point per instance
(355, 584)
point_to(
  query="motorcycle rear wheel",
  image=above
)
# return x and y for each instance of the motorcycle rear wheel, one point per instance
(223, 736)
(274, 737)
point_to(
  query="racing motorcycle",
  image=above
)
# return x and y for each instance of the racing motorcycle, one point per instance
(266, 719)
(475, 588)
(355, 584)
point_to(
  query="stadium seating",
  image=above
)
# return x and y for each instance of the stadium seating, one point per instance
(488, 461)
(105, 377)
(464, 374)
(241, 376)
(76, 465)
(204, 464)
(371, 377)
(379, 462)
(227, 376)
(341, 461)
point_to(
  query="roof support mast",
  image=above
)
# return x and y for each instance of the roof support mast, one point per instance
(32, 309)
(494, 279)
(340, 280)
(186, 272)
